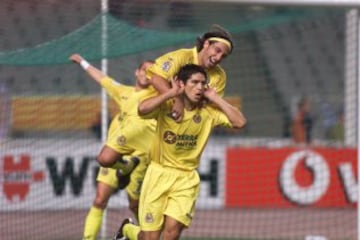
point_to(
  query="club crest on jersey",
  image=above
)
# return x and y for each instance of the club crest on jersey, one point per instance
(169, 137)
(120, 117)
(149, 218)
(166, 66)
(197, 118)
(121, 140)
(104, 171)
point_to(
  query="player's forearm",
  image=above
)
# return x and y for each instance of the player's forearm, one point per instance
(160, 84)
(234, 115)
(94, 73)
(150, 104)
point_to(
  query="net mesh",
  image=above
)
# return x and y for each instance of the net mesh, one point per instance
(256, 184)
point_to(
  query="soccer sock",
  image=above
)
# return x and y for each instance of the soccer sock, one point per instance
(93, 223)
(131, 231)
(125, 166)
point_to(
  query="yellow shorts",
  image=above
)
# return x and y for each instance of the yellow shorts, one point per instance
(108, 176)
(130, 140)
(170, 192)
(127, 137)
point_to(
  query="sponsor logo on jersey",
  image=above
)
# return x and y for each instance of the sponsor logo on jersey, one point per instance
(169, 137)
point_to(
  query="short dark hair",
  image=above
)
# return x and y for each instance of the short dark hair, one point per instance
(146, 61)
(216, 31)
(187, 70)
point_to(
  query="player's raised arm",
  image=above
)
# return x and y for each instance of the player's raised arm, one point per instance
(234, 115)
(162, 85)
(95, 73)
(150, 104)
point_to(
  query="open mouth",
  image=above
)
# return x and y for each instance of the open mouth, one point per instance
(212, 63)
(198, 96)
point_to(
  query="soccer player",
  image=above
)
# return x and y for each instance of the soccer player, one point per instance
(128, 135)
(171, 183)
(211, 48)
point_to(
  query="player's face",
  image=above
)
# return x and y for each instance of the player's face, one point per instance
(140, 75)
(212, 54)
(195, 87)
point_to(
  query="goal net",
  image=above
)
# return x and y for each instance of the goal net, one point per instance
(264, 182)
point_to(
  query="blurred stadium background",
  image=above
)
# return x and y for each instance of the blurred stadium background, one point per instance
(257, 184)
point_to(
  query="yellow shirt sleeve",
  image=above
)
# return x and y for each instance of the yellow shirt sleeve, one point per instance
(114, 89)
(155, 113)
(167, 65)
(220, 118)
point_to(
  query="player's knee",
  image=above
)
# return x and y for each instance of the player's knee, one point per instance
(172, 232)
(104, 161)
(141, 236)
(107, 157)
(100, 202)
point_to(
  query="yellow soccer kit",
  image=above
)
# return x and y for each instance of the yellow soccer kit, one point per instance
(170, 63)
(171, 183)
(108, 176)
(128, 133)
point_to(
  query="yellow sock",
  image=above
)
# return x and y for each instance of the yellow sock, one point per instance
(93, 223)
(131, 231)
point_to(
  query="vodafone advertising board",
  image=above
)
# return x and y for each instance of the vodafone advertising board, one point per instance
(43, 175)
(291, 177)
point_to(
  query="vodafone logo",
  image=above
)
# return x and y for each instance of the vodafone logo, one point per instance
(319, 177)
(305, 178)
(16, 176)
(303, 193)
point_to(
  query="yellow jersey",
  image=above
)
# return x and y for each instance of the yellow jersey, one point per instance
(130, 134)
(180, 145)
(170, 63)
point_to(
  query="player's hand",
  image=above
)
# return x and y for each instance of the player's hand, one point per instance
(210, 93)
(76, 58)
(177, 111)
(178, 87)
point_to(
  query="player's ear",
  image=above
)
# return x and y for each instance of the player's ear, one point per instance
(206, 44)
(181, 83)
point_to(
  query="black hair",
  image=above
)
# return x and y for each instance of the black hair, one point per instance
(188, 70)
(217, 31)
(143, 62)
